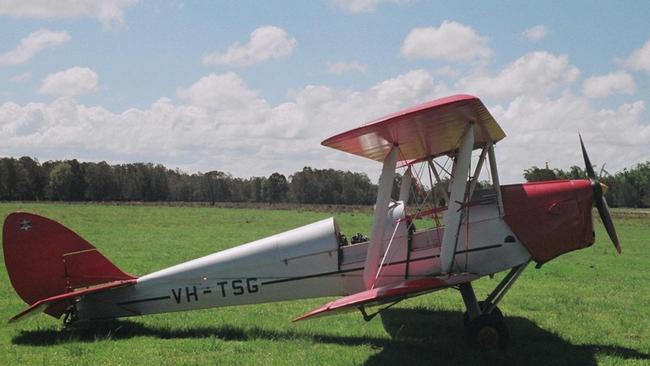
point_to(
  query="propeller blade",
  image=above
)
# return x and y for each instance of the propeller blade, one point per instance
(599, 199)
(603, 210)
(590, 169)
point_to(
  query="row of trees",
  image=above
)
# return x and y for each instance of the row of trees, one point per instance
(627, 188)
(69, 180)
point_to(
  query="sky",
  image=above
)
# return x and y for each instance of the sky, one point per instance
(253, 87)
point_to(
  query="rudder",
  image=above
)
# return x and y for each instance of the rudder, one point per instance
(45, 259)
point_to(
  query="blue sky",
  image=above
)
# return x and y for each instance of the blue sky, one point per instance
(187, 84)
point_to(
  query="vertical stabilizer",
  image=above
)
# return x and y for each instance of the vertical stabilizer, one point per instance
(46, 259)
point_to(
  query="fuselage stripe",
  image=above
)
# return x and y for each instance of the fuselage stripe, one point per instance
(144, 300)
(387, 264)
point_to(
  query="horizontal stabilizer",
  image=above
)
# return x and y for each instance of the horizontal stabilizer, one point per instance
(57, 305)
(389, 293)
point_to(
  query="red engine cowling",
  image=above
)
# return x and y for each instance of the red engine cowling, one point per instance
(550, 218)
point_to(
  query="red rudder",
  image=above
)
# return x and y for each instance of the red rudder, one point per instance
(44, 258)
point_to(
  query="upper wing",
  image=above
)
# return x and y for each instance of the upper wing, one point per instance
(389, 293)
(431, 129)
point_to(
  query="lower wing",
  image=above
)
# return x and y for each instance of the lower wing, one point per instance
(389, 293)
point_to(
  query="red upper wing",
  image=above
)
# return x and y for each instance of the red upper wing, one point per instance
(430, 129)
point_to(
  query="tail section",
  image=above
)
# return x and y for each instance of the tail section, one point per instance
(46, 260)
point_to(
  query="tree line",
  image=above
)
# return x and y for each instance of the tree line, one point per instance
(627, 188)
(26, 179)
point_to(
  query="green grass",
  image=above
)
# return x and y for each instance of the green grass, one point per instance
(585, 308)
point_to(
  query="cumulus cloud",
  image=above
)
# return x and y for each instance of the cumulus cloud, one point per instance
(363, 6)
(266, 43)
(219, 122)
(451, 41)
(605, 85)
(535, 33)
(71, 82)
(535, 73)
(109, 12)
(34, 43)
(340, 68)
(544, 130)
(640, 58)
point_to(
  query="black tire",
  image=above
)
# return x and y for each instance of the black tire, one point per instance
(488, 332)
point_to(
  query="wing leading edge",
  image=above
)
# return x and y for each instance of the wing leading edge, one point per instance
(389, 293)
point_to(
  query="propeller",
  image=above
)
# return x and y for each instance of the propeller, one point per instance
(599, 199)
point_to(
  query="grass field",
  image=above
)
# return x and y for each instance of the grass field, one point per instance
(585, 308)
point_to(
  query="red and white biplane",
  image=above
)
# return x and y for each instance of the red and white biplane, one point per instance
(484, 229)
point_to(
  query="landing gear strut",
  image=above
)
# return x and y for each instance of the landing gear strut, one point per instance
(486, 328)
(70, 317)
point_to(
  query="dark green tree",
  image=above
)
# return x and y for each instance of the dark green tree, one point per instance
(535, 174)
(61, 183)
(276, 188)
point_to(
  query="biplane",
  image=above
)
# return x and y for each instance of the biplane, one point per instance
(474, 228)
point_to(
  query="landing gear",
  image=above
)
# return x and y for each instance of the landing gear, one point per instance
(484, 305)
(483, 320)
(70, 317)
(488, 331)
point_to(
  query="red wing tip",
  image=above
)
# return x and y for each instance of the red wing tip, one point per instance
(313, 313)
(302, 317)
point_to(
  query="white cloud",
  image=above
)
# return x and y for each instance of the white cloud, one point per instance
(363, 6)
(536, 73)
(266, 43)
(71, 82)
(219, 122)
(451, 41)
(535, 33)
(605, 85)
(339, 68)
(21, 78)
(226, 91)
(544, 130)
(109, 12)
(640, 58)
(34, 43)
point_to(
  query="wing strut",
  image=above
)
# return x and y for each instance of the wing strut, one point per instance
(435, 173)
(381, 210)
(452, 218)
(405, 188)
(495, 176)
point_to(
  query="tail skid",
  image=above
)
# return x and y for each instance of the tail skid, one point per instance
(50, 266)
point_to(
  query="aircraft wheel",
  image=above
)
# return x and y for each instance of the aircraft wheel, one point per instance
(488, 332)
(483, 304)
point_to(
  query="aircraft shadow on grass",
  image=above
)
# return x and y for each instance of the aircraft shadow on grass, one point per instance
(418, 336)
